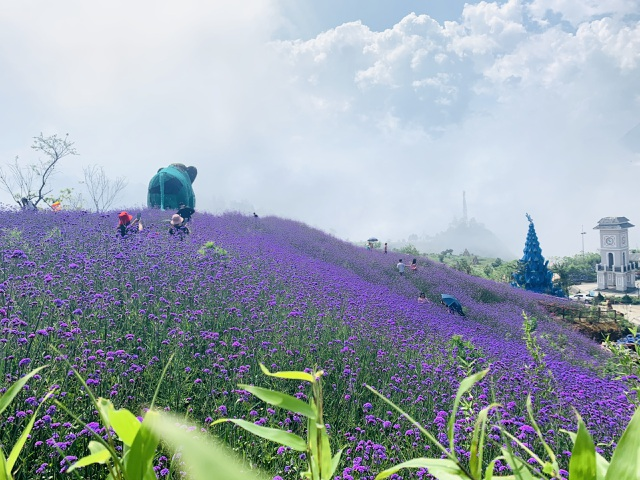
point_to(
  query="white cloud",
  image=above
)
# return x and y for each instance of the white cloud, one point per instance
(355, 130)
(577, 12)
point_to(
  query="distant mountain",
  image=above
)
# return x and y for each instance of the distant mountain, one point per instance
(466, 235)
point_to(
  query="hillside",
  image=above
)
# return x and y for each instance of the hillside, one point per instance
(278, 292)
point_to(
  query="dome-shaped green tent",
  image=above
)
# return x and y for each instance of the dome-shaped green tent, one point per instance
(171, 186)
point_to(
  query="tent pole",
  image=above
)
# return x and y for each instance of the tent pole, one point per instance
(161, 178)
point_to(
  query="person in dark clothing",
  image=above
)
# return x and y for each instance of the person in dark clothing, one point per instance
(185, 212)
(27, 204)
(178, 227)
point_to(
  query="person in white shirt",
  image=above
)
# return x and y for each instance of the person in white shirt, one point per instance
(400, 267)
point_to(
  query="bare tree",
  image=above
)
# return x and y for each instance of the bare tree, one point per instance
(102, 190)
(32, 181)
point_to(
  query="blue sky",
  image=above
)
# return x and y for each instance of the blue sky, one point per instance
(308, 18)
(359, 118)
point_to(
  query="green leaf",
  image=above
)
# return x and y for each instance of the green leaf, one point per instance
(602, 465)
(139, 461)
(283, 438)
(546, 446)
(17, 448)
(281, 400)
(335, 462)
(15, 388)
(4, 473)
(625, 462)
(325, 453)
(521, 469)
(304, 376)
(477, 441)
(466, 385)
(205, 458)
(124, 423)
(314, 449)
(441, 468)
(104, 407)
(582, 465)
(488, 473)
(425, 432)
(99, 454)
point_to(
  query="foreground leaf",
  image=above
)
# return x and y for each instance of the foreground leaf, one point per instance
(99, 454)
(124, 423)
(521, 470)
(602, 465)
(466, 385)
(204, 457)
(281, 400)
(4, 473)
(304, 376)
(625, 462)
(15, 388)
(582, 465)
(441, 468)
(139, 462)
(477, 441)
(283, 438)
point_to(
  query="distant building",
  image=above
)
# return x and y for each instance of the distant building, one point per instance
(616, 270)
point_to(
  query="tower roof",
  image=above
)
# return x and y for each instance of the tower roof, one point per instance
(613, 223)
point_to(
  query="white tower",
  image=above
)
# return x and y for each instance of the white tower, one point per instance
(615, 271)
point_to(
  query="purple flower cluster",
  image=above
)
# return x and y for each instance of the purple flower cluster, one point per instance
(73, 293)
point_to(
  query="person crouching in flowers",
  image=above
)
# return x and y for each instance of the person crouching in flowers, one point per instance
(178, 227)
(128, 224)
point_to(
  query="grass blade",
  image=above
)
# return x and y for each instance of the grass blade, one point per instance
(535, 426)
(425, 432)
(15, 388)
(334, 462)
(477, 441)
(304, 376)
(441, 468)
(281, 400)
(520, 469)
(466, 385)
(4, 473)
(283, 438)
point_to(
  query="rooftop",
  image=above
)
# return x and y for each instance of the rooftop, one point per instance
(610, 223)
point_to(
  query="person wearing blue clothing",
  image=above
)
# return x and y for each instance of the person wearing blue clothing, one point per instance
(400, 266)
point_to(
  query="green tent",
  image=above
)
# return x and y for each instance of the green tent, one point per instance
(171, 186)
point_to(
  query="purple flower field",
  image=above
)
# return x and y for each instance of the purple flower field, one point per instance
(291, 297)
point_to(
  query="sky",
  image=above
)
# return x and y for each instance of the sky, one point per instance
(358, 118)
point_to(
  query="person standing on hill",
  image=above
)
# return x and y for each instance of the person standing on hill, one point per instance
(414, 266)
(385, 247)
(185, 212)
(400, 266)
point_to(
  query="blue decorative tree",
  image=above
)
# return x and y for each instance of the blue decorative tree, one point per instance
(533, 272)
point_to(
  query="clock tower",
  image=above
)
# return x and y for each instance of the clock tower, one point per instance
(615, 271)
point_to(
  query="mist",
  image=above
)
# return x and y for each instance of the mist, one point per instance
(356, 124)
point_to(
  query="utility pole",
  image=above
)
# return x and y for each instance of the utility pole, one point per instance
(583, 233)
